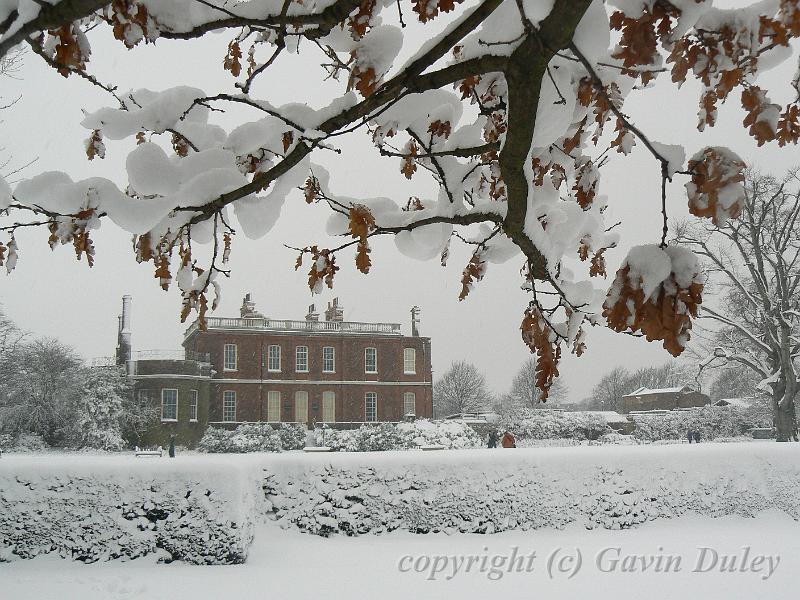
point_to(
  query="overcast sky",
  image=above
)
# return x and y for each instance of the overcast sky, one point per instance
(52, 294)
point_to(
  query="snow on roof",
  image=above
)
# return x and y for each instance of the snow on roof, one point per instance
(738, 402)
(643, 391)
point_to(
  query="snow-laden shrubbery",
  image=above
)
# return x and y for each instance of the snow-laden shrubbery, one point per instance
(103, 508)
(292, 436)
(249, 437)
(711, 422)
(403, 436)
(485, 491)
(542, 424)
(24, 442)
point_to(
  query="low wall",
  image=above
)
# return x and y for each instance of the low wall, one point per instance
(91, 508)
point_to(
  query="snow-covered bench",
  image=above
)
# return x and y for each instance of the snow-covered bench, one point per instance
(144, 452)
(432, 447)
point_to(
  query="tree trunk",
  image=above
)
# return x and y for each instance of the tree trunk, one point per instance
(784, 420)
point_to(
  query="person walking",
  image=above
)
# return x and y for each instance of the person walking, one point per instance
(493, 439)
(690, 435)
(172, 446)
(696, 437)
(508, 440)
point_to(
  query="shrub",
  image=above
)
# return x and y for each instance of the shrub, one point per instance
(292, 436)
(24, 442)
(710, 421)
(542, 424)
(450, 434)
(249, 437)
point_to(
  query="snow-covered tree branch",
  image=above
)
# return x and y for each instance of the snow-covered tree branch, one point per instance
(503, 110)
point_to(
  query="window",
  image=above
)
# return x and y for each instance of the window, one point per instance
(273, 406)
(229, 406)
(301, 359)
(193, 405)
(409, 361)
(143, 396)
(328, 407)
(371, 406)
(328, 360)
(301, 407)
(409, 404)
(169, 405)
(274, 362)
(370, 360)
(229, 362)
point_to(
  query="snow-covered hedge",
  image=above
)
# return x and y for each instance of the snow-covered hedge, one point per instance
(24, 442)
(711, 422)
(249, 437)
(485, 491)
(545, 424)
(93, 508)
(403, 436)
(292, 436)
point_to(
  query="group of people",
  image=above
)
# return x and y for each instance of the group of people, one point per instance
(693, 436)
(507, 441)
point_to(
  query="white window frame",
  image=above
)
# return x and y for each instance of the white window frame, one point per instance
(332, 360)
(366, 360)
(193, 396)
(274, 358)
(226, 396)
(301, 351)
(329, 398)
(273, 406)
(371, 396)
(228, 359)
(298, 396)
(410, 361)
(169, 419)
(409, 397)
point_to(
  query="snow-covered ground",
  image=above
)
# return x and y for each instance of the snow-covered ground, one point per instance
(679, 554)
(286, 564)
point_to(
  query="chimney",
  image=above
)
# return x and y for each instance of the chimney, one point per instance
(415, 313)
(124, 332)
(334, 312)
(248, 309)
(312, 314)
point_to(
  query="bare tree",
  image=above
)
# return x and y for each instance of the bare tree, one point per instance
(525, 393)
(608, 392)
(754, 260)
(462, 389)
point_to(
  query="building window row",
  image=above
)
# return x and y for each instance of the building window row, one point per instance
(169, 403)
(301, 406)
(272, 359)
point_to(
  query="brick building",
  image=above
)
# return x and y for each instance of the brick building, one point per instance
(313, 371)
(673, 398)
(254, 368)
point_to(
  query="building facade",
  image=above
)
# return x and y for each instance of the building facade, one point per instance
(313, 371)
(645, 399)
(256, 369)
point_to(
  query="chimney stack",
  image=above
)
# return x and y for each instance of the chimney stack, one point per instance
(334, 312)
(124, 332)
(312, 314)
(248, 309)
(415, 313)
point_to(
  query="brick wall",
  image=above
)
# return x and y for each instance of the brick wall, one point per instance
(252, 378)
